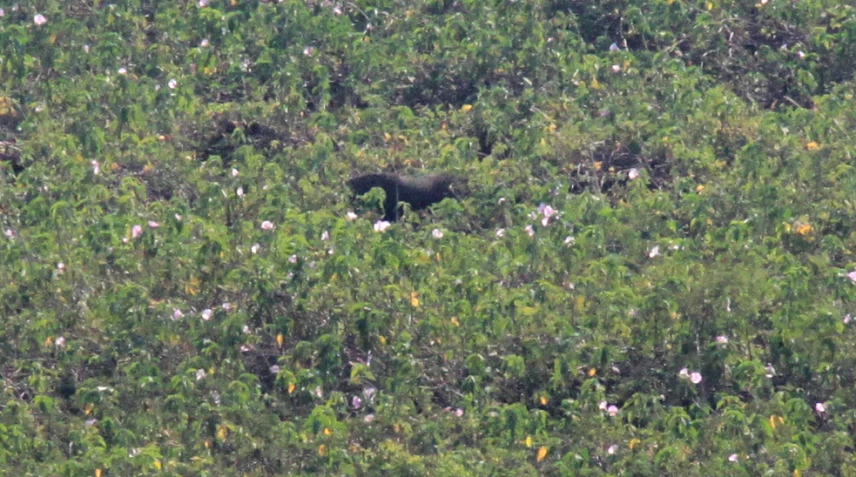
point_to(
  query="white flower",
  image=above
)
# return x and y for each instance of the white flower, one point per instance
(9, 233)
(611, 449)
(267, 225)
(235, 172)
(437, 233)
(86, 48)
(654, 251)
(846, 318)
(172, 84)
(226, 306)
(603, 405)
(206, 314)
(722, 339)
(122, 71)
(40, 19)
(274, 369)
(732, 458)
(616, 68)
(350, 216)
(820, 407)
(633, 174)
(459, 412)
(529, 230)
(240, 192)
(204, 43)
(292, 259)
(200, 373)
(325, 236)
(369, 418)
(136, 230)
(307, 51)
(178, 217)
(569, 240)
(381, 225)
(500, 233)
(60, 341)
(255, 248)
(684, 373)
(202, 3)
(801, 54)
(60, 266)
(96, 169)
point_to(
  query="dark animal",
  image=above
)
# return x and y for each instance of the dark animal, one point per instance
(419, 192)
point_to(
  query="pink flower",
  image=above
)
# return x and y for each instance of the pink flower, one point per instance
(529, 231)
(267, 225)
(616, 68)
(9, 233)
(722, 339)
(695, 377)
(602, 406)
(820, 407)
(852, 276)
(732, 458)
(206, 314)
(633, 174)
(60, 341)
(437, 233)
(612, 410)
(846, 319)
(204, 43)
(292, 259)
(356, 402)
(611, 449)
(172, 84)
(153, 224)
(369, 418)
(274, 369)
(136, 231)
(176, 314)
(40, 19)
(202, 3)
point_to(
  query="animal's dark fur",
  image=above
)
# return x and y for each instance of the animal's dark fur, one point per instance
(419, 192)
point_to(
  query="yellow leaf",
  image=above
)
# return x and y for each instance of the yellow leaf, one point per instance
(803, 229)
(598, 165)
(455, 321)
(776, 420)
(382, 339)
(327, 431)
(633, 443)
(708, 6)
(466, 108)
(699, 188)
(595, 84)
(580, 303)
(322, 450)
(544, 400)
(158, 464)
(592, 372)
(291, 387)
(222, 432)
(414, 299)
(49, 341)
(279, 339)
(812, 146)
(98, 472)
(528, 441)
(542, 453)
(87, 409)
(192, 286)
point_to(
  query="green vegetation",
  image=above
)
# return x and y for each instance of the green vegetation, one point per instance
(650, 275)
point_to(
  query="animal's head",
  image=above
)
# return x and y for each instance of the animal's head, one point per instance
(448, 185)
